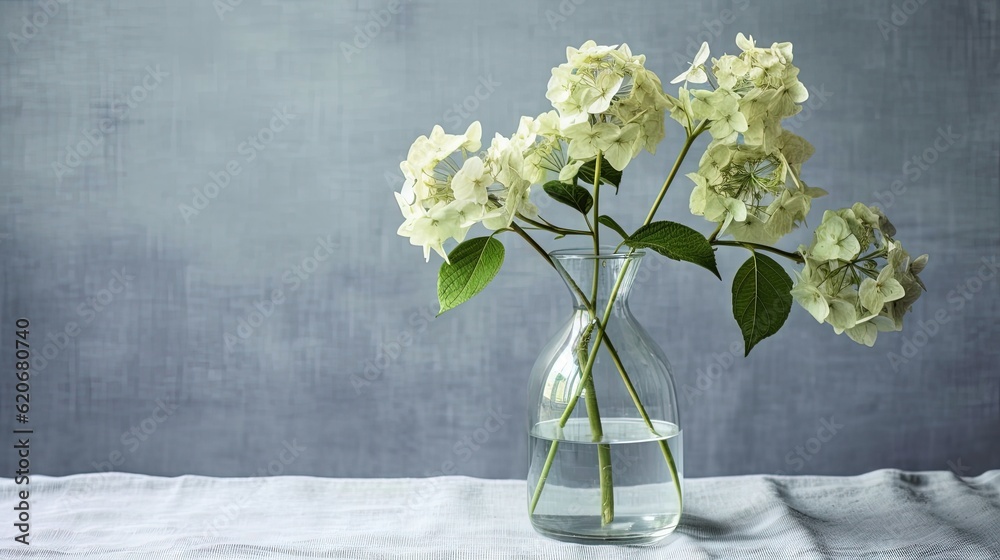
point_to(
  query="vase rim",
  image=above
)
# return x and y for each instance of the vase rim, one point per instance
(588, 253)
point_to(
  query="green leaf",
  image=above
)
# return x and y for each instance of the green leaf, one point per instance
(675, 241)
(761, 298)
(573, 196)
(474, 263)
(611, 223)
(609, 175)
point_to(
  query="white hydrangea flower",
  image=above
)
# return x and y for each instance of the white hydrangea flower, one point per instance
(624, 146)
(841, 283)
(755, 196)
(431, 227)
(834, 240)
(696, 73)
(599, 92)
(586, 139)
(767, 88)
(471, 181)
(448, 187)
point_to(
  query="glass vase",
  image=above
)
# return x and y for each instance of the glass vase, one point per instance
(605, 457)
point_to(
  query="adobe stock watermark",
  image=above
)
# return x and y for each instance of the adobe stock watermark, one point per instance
(137, 434)
(86, 311)
(712, 30)
(32, 25)
(462, 451)
(130, 440)
(288, 453)
(710, 375)
(562, 13)
(291, 280)
(917, 165)
(365, 33)
(957, 299)
(461, 111)
(898, 17)
(800, 455)
(223, 7)
(249, 150)
(960, 470)
(93, 137)
(388, 352)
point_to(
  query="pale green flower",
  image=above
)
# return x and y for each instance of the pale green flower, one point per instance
(513, 201)
(696, 73)
(748, 191)
(471, 181)
(843, 314)
(747, 44)
(834, 239)
(864, 333)
(547, 124)
(585, 139)
(812, 299)
(425, 177)
(863, 300)
(652, 132)
(560, 85)
(448, 143)
(722, 108)
(569, 171)
(680, 107)
(785, 212)
(875, 293)
(431, 227)
(714, 206)
(795, 149)
(728, 70)
(752, 229)
(906, 272)
(621, 150)
(447, 192)
(713, 104)
(607, 85)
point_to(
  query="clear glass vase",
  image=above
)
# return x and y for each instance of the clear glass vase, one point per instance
(605, 458)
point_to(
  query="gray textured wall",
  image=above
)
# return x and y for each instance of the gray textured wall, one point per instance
(119, 349)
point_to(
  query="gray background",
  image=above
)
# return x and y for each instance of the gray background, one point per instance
(886, 91)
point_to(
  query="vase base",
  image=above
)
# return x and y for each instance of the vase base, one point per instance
(637, 530)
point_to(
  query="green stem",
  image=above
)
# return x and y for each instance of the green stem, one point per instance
(593, 411)
(602, 324)
(673, 170)
(664, 448)
(531, 241)
(715, 233)
(554, 229)
(746, 244)
(597, 213)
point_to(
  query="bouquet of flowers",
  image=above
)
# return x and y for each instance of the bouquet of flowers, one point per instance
(607, 109)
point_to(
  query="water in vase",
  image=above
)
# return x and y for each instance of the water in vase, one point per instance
(646, 505)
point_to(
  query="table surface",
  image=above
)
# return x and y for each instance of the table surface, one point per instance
(883, 514)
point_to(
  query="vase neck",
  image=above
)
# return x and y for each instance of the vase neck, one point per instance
(580, 269)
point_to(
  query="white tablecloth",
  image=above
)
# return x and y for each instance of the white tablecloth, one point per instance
(883, 514)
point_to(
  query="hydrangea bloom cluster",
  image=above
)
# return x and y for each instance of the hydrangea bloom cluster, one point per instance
(842, 284)
(608, 102)
(748, 179)
(448, 187)
(856, 277)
